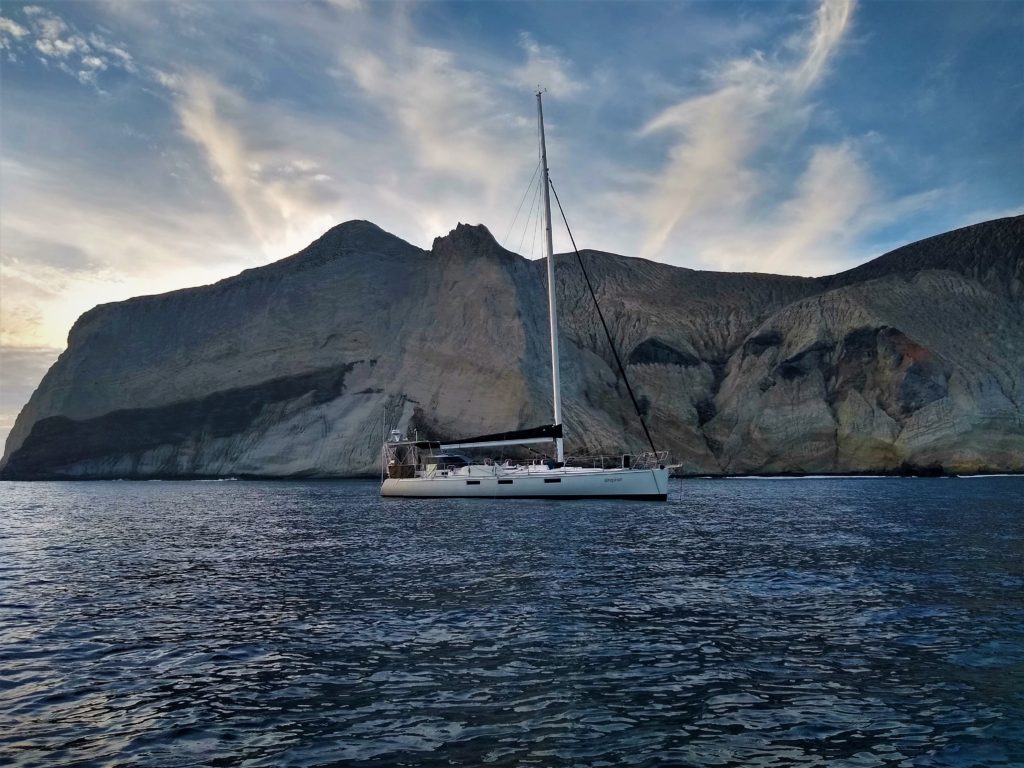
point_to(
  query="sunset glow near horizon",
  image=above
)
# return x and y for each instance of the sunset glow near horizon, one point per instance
(146, 147)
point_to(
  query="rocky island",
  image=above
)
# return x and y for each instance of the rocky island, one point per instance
(910, 363)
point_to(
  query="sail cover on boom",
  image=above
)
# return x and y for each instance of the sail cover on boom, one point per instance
(542, 434)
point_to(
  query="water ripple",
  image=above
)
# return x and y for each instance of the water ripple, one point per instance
(857, 622)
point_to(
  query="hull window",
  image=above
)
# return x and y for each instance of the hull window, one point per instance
(472, 482)
(552, 479)
(504, 482)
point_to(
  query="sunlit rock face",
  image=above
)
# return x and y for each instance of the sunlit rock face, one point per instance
(913, 362)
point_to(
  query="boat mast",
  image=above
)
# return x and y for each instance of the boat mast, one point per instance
(549, 254)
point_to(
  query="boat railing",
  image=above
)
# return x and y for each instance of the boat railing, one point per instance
(405, 466)
(647, 460)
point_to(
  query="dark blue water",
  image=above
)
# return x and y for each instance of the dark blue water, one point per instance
(855, 622)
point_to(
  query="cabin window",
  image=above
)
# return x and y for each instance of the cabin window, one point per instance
(552, 479)
(472, 482)
(504, 482)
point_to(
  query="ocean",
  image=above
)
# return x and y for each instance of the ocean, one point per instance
(813, 622)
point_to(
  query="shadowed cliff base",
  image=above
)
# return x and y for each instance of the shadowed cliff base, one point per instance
(910, 364)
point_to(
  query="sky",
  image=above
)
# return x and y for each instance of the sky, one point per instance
(150, 146)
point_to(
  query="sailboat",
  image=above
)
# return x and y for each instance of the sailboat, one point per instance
(433, 469)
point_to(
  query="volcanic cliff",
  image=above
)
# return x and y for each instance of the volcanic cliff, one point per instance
(911, 362)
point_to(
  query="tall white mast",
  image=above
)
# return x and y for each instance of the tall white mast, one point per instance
(549, 254)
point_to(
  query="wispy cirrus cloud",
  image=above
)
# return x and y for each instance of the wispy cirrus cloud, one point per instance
(449, 117)
(446, 129)
(270, 165)
(807, 232)
(546, 67)
(721, 194)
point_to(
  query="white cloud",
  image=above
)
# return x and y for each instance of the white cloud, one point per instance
(168, 80)
(61, 49)
(10, 29)
(59, 42)
(833, 192)
(49, 25)
(347, 5)
(831, 23)
(546, 68)
(93, 62)
(55, 38)
(121, 56)
(200, 110)
(268, 162)
(453, 136)
(449, 117)
(807, 233)
(716, 197)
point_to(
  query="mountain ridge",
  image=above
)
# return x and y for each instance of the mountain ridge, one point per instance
(741, 372)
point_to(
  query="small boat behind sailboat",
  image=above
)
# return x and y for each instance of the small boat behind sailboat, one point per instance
(432, 469)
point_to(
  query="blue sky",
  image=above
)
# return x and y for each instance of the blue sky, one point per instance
(150, 146)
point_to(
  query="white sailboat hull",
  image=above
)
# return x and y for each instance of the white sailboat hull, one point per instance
(567, 483)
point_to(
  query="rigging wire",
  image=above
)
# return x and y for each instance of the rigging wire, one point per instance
(529, 186)
(529, 216)
(600, 314)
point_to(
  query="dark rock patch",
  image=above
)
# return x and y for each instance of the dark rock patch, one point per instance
(761, 342)
(856, 359)
(706, 411)
(860, 344)
(922, 384)
(422, 424)
(804, 362)
(657, 352)
(644, 404)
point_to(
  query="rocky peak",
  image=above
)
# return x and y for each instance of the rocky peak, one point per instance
(356, 237)
(354, 233)
(469, 241)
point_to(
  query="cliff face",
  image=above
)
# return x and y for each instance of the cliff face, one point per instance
(913, 361)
